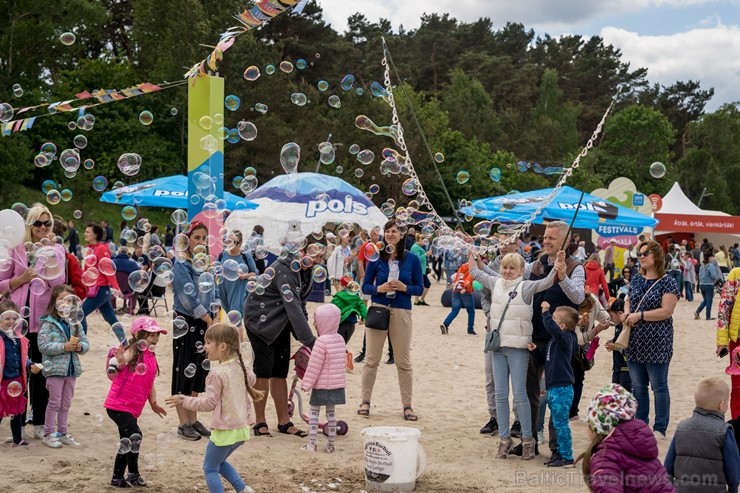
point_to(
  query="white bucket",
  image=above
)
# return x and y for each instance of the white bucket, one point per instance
(394, 460)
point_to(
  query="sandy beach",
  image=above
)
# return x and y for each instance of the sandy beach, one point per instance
(449, 398)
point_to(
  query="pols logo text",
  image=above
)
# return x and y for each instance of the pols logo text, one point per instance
(347, 206)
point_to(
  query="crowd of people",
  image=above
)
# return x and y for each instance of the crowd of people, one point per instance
(545, 301)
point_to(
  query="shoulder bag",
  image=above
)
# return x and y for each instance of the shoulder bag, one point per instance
(624, 337)
(493, 338)
(378, 317)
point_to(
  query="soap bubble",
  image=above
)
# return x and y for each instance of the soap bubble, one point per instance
(347, 82)
(17, 90)
(270, 69)
(252, 73)
(298, 98)
(15, 389)
(495, 174)
(100, 183)
(462, 177)
(129, 213)
(286, 66)
(261, 108)
(232, 102)
(359, 173)
(53, 197)
(301, 64)
(88, 164)
(129, 163)
(247, 130)
(371, 252)
(206, 122)
(124, 446)
(179, 217)
(322, 85)
(439, 157)
(146, 117)
(179, 327)
(77, 214)
(378, 90)
(248, 184)
(80, 141)
(67, 38)
(334, 101)
(173, 111)
(657, 169)
(410, 186)
(359, 91)
(290, 155)
(138, 280)
(190, 370)
(66, 194)
(354, 149)
(41, 160)
(235, 318)
(366, 156)
(141, 368)
(6, 112)
(70, 159)
(374, 188)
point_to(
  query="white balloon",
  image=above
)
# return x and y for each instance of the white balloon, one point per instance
(12, 227)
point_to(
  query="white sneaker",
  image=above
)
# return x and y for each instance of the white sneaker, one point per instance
(658, 435)
(247, 489)
(51, 441)
(38, 432)
(67, 439)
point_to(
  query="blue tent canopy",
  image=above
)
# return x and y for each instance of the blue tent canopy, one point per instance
(170, 192)
(595, 212)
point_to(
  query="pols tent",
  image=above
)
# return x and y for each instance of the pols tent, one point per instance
(594, 212)
(169, 191)
(304, 203)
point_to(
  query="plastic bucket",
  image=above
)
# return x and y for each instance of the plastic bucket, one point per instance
(394, 460)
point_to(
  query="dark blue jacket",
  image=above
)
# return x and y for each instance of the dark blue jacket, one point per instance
(560, 349)
(409, 274)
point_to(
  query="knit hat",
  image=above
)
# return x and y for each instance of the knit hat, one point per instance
(148, 324)
(610, 406)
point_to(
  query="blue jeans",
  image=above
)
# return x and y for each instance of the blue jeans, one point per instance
(560, 399)
(512, 361)
(657, 376)
(214, 464)
(707, 294)
(101, 302)
(458, 301)
(677, 275)
(688, 290)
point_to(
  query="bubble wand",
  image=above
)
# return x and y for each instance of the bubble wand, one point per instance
(570, 228)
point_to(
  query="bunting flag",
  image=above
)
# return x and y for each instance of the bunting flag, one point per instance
(102, 96)
(263, 11)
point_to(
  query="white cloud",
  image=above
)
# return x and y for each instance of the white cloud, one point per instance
(710, 55)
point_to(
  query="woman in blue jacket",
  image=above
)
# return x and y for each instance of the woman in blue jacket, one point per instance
(709, 274)
(391, 281)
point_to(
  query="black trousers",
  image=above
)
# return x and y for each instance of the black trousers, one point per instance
(534, 373)
(580, 376)
(37, 393)
(346, 329)
(127, 426)
(16, 426)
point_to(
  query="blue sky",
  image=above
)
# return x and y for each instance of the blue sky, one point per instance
(674, 39)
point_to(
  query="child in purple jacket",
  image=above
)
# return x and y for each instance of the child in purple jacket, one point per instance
(623, 453)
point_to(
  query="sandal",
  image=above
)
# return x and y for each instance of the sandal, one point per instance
(284, 429)
(259, 426)
(408, 414)
(362, 410)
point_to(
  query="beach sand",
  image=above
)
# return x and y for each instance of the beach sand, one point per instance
(449, 398)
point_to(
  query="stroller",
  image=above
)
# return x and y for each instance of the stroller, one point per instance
(301, 358)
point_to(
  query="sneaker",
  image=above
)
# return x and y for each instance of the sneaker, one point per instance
(51, 441)
(422, 303)
(490, 428)
(136, 480)
(360, 356)
(554, 457)
(391, 361)
(560, 462)
(329, 448)
(473, 333)
(67, 439)
(247, 489)
(186, 432)
(308, 447)
(201, 430)
(504, 448)
(38, 432)
(696, 316)
(119, 483)
(443, 328)
(516, 429)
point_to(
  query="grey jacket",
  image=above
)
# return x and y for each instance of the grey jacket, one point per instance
(266, 315)
(699, 462)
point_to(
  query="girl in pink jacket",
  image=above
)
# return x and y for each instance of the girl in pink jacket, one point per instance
(132, 387)
(325, 374)
(229, 393)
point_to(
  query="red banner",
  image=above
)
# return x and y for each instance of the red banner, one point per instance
(698, 224)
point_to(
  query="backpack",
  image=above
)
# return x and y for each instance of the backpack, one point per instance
(244, 258)
(674, 262)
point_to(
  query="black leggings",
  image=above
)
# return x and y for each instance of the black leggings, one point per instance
(37, 392)
(16, 425)
(127, 426)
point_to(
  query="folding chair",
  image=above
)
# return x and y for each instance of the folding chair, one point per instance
(153, 299)
(129, 296)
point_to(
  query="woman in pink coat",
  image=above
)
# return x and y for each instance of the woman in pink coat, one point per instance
(29, 274)
(325, 374)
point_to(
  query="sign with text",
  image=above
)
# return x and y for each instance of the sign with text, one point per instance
(694, 224)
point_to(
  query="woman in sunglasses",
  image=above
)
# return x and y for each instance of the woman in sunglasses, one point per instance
(29, 274)
(649, 311)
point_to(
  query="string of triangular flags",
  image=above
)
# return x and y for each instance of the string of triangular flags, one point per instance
(263, 11)
(102, 96)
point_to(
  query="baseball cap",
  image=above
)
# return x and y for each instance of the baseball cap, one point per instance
(617, 305)
(344, 281)
(148, 324)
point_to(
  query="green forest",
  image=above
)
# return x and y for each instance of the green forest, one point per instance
(483, 96)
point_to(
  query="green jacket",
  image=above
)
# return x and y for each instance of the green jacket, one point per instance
(349, 303)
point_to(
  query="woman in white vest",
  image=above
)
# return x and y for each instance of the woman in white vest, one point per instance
(511, 315)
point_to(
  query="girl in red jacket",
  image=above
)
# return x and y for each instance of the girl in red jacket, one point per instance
(325, 374)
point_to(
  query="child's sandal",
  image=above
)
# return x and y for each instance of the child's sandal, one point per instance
(362, 410)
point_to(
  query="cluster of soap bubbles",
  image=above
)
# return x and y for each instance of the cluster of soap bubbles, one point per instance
(129, 163)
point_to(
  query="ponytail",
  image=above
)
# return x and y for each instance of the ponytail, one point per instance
(255, 394)
(586, 457)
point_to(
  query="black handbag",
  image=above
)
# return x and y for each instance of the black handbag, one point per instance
(580, 357)
(378, 317)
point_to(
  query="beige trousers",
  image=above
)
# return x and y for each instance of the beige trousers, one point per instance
(399, 330)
